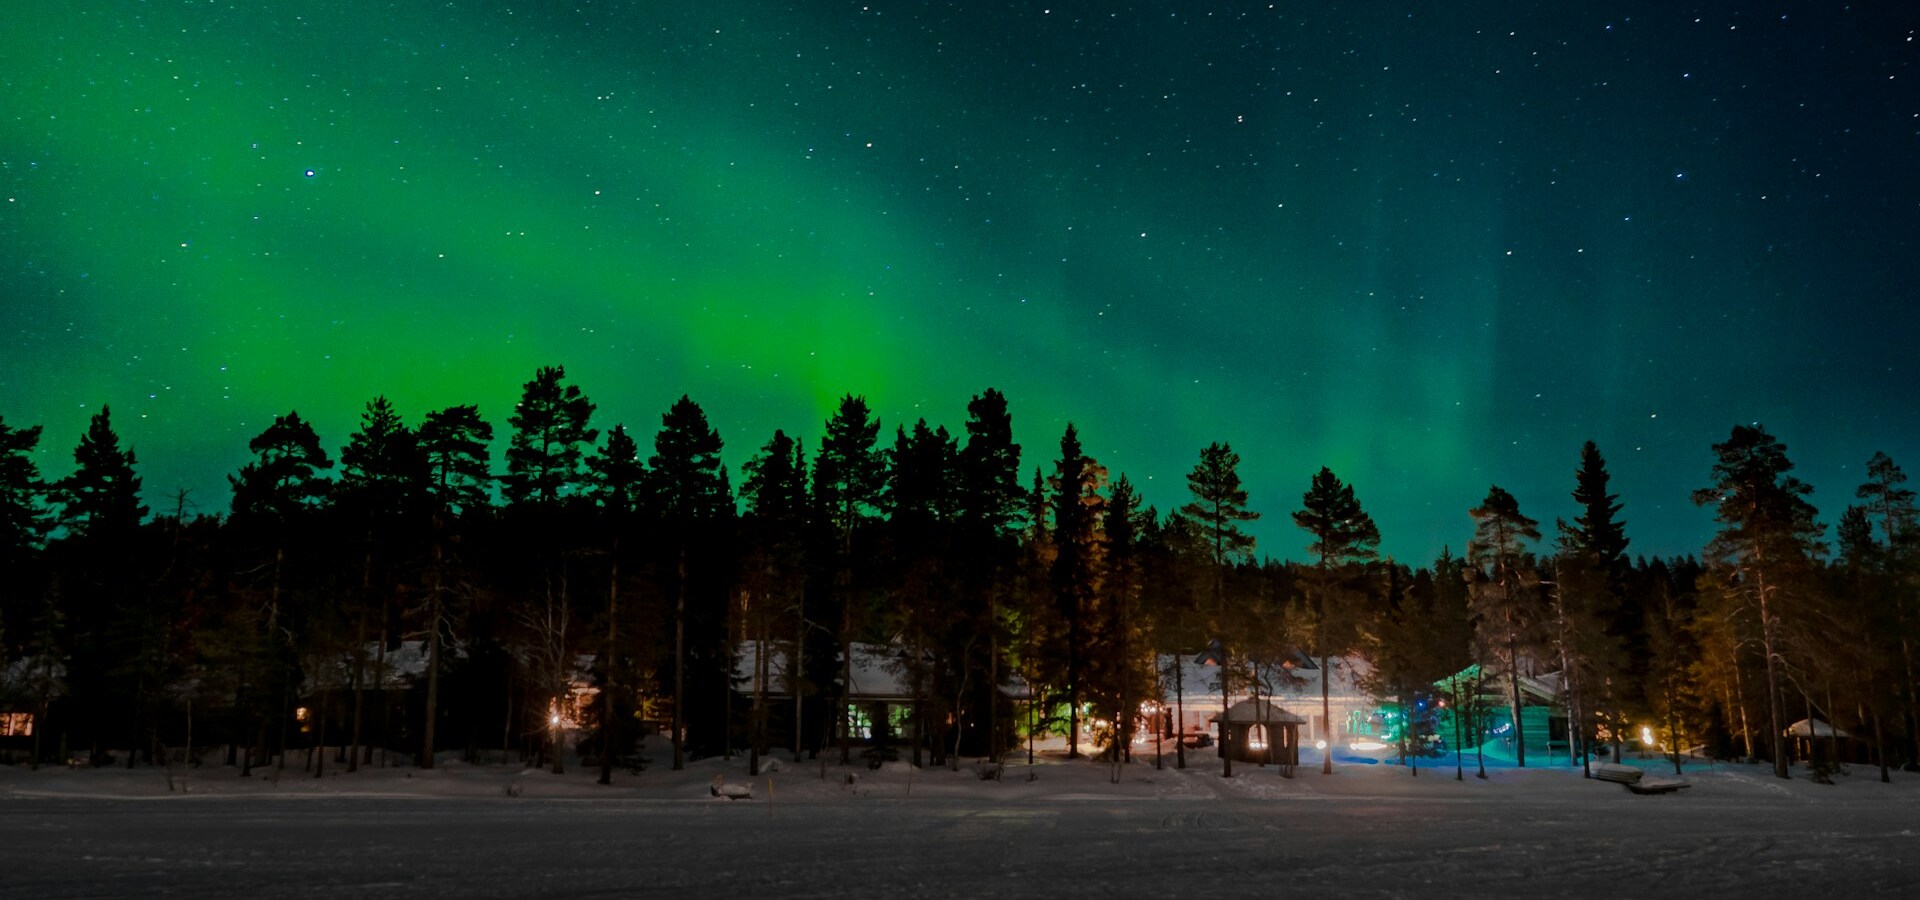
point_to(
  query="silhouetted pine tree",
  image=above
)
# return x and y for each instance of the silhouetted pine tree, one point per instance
(1889, 507)
(24, 523)
(1121, 665)
(849, 479)
(1763, 553)
(922, 506)
(274, 499)
(1077, 510)
(453, 448)
(454, 443)
(992, 508)
(383, 474)
(695, 503)
(618, 486)
(1219, 506)
(774, 571)
(1508, 611)
(1590, 628)
(1344, 542)
(550, 437)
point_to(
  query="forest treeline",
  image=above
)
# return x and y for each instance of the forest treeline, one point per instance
(641, 566)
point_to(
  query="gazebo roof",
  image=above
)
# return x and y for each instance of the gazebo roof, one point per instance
(1265, 712)
(1816, 728)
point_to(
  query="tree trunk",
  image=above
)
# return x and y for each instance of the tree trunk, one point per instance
(1179, 711)
(380, 679)
(360, 652)
(607, 667)
(359, 686)
(1774, 713)
(433, 659)
(993, 677)
(1326, 713)
(1226, 703)
(1459, 766)
(320, 735)
(1513, 680)
(680, 661)
(797, 674)
(762, 670)
(919, 698)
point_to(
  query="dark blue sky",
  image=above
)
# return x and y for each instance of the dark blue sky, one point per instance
(1433, 250)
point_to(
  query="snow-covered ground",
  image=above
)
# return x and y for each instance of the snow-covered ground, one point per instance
(1057, 826)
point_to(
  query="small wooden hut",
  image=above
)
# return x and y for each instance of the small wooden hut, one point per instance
(1262, 733)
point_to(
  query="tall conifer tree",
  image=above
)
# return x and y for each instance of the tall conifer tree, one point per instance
(1506, 607)
(695, 505)
(1764, 550)
(1218, 507)
(849, 479)
(550, 438)
(1344, 538)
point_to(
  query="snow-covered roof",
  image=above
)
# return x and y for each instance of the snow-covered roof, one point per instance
(880, 672)
(1295, 682)
(1264, 712)
(1817, 728)
(402, 664)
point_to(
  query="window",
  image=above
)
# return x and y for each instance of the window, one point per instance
(859, 724)
(16, 724)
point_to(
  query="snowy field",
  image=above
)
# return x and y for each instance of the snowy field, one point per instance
(1059, 828)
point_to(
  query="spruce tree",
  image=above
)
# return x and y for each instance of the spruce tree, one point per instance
(776, 531)
(1344, 539)
(1597, 532)
(694, 502)
(617, 483)
(921, 506)
(992, 507)
(101, 499)
(849, 479)
(381, 465)
(382, 480)
(1121, 673)
(1077, 509)
(1592, 622)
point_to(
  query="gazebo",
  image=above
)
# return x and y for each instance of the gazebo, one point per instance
(1262, 733)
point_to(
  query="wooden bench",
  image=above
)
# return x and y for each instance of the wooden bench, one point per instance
(1618, 774)
(1658, 786)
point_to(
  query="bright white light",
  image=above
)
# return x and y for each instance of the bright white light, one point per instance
(555, 720)
(1366, 746)
(1320, 744)
(1646, 735)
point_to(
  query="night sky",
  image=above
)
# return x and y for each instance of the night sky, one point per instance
(1432, 250)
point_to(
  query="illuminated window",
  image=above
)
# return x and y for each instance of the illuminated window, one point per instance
(16, 724)
(859, 724)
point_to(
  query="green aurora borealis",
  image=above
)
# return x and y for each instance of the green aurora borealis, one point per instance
(1432, 250)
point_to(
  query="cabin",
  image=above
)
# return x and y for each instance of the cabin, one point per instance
(1260, 732)
(1479, 706)
(1293, 685)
